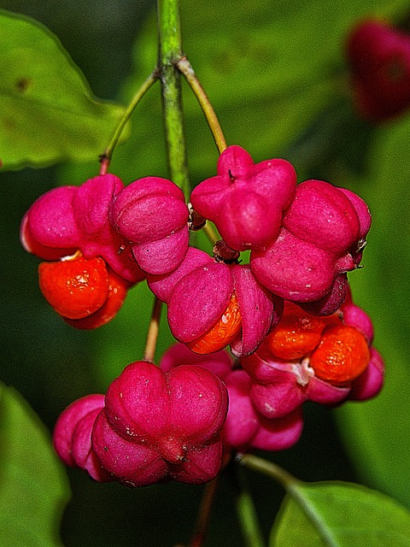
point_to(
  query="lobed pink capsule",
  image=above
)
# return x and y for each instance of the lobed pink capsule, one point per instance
(199, 292)
(162, 425)
(322, 237)
(72, 436)
(246, 200)
(245, 428)
(150, 214)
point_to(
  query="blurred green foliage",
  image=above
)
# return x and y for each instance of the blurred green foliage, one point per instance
(34, 486)
(276, 76)
(377, 435)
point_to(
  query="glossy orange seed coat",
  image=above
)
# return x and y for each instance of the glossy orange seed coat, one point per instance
(222, 333)
(117, 291)
(341, 356)
(74, 288)
(294, 336)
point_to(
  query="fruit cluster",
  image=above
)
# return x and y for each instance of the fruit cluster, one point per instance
(173, 421)
(287, 315)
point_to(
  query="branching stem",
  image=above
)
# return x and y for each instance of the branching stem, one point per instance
(186, 69)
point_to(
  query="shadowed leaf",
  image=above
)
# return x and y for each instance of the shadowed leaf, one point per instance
(33, 485)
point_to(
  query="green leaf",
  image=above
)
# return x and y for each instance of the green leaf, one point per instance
(376, 433)
(48, 113)
(332, 514)
(33, 486)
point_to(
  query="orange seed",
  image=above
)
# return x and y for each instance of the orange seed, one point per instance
(75, 288)
(222, 333)
(117, 291)
(341, 356)
(295, 336)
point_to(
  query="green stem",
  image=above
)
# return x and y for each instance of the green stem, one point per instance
(288, 481)
(107, 155)
(246, 510)
(186, 69)
(294, 488)
(170, 51)
(210, 233)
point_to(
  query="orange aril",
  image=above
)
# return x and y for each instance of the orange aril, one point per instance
(76, 287)
(341, 356)
(222, 333)
(296, 335)
(117, 291)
